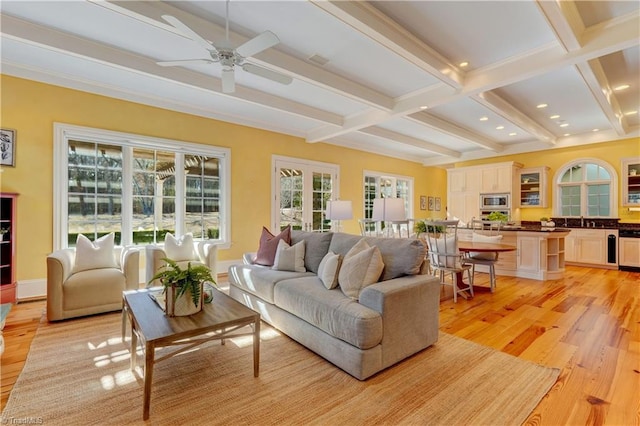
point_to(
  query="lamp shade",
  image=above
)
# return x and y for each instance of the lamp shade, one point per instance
(388, 209)
(338, 210)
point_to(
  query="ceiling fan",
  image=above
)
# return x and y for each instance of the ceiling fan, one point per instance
(222, 52)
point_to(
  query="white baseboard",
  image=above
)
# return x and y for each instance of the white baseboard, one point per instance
(31, 289)
(37, 289)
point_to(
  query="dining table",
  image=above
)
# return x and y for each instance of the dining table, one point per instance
(482, 247)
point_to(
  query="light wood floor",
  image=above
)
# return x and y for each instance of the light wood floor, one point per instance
(587, 324)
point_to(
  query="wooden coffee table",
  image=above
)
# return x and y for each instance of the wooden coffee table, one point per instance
(149, 324)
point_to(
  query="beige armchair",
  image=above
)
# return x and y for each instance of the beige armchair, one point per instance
(204, 253)
(90, 291)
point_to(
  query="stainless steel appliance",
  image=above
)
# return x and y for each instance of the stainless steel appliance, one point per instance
(629, 249)
(495, 201)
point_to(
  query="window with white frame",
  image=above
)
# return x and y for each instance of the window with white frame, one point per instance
(137, 187)
(586, 187)
(380, 185)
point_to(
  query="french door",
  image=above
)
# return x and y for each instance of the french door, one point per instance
(301, 191)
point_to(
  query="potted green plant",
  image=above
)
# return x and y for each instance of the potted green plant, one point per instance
(497, 217)
(183, 288)
(544, 220)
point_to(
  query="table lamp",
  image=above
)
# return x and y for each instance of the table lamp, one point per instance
(338, 210)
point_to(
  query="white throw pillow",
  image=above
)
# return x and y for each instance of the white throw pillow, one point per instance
(179, 249)
(328, 270)
(479, 238)
(361, 267)
(94, 255)
(289, 258)
(445, 246)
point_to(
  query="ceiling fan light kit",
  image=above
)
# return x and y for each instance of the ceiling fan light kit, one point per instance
(227, 56)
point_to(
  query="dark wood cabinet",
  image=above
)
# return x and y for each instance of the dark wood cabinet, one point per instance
(8, 203)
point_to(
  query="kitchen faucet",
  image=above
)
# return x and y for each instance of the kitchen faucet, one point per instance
(565, 222)
(581, 222)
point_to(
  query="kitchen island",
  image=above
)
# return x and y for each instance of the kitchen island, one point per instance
(539, 254)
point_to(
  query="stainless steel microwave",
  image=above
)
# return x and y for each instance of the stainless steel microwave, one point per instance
(495, 201)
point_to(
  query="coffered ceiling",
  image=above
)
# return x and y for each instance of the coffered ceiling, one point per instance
(382, 76)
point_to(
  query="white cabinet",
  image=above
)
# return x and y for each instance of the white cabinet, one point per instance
(529, 254)
(589, 246)
(532, 190)
(629, 253)
(464, 180)
(630, 181)
(464, 206)
(496, 179)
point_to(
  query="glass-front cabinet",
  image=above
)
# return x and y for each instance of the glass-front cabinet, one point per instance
(630, 181)
(533, 187)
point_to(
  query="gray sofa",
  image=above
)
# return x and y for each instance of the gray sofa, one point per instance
(393, 318)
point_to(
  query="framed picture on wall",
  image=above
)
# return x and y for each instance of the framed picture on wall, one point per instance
(437, 204)
(7, 147)
(423, 202)
(431, 203)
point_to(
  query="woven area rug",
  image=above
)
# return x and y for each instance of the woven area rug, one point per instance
(77, 373)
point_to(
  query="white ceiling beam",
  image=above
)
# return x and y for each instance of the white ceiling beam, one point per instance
(618, 34)
(43, 37)
(596, 79)
(371, 22)
(408, 140)
(565, 20)
(450, 129)
(510, 113)
(150, 12)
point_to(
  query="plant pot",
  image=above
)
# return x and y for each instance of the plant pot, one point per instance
(182, 305)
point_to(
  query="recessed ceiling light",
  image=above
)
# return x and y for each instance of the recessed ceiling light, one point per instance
(630, 112)
(564, 125)
(595, 130)
(424, 107)
(621, 87)
(553, 117)
(499, 127)
(512, 134)
(484, 118)
(464, 64)
(567, 134)
(540, 106)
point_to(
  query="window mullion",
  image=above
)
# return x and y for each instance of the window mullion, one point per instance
(181, 182)
(127, 196)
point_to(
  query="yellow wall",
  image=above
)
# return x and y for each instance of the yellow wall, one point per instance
(31, 108)
(610, 152)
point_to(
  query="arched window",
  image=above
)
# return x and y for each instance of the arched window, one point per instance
(586, 187)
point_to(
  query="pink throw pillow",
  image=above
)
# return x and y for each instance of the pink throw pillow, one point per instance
(269, 245)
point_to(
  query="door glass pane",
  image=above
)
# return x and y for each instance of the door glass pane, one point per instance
(291, 200)
(321, 194)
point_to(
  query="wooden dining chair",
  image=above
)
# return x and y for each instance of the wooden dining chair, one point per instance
(444, 256)
(488, 259)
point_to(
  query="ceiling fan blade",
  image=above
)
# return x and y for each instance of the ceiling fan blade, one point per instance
(266, 73)
(184, 62)
(188, 32)
(257, 44)
(228, 81)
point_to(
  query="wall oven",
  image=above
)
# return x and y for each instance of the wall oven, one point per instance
(495, 201)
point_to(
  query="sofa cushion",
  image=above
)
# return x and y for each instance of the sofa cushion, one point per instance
(328, 270)
(269, 244)
(94, 255)
(362, 266)
(289, 258)
(260, 280)
(317, 246)
(401, 256)
(330, 311)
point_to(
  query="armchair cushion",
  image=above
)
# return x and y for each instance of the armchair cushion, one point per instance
(94, 255)
(179, 249)
(484, 239)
